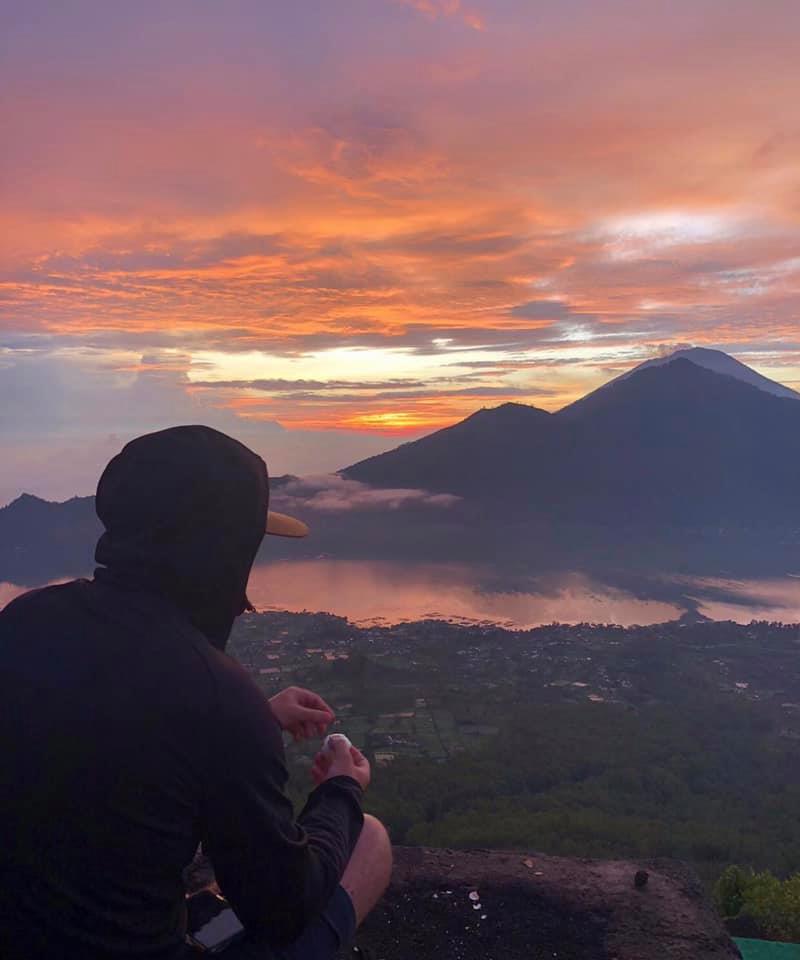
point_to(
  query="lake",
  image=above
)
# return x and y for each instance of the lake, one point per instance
(368, 592)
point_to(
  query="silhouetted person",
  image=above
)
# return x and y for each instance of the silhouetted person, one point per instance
(128, 735)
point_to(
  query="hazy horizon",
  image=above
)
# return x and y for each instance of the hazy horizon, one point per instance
(42, 486)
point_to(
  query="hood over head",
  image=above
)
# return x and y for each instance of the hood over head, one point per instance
(184, 512)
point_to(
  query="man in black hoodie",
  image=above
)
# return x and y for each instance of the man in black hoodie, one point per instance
(128, 736)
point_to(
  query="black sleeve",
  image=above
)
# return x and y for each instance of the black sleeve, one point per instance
(277, 873)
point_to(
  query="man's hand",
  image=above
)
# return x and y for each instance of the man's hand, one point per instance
(303, 713)
(341, 760)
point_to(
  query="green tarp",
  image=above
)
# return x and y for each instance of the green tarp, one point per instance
(767, 950)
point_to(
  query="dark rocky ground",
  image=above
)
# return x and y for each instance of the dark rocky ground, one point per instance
(541, 907)
(538, 908)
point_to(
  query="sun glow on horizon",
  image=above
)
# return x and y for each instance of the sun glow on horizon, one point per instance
(393, 421)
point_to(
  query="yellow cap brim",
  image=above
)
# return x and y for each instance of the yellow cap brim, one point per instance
(281, 525)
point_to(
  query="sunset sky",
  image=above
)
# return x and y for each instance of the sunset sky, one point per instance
(327, 226)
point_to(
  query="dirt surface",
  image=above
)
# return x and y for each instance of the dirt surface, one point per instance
(537, 907)
(533, 907)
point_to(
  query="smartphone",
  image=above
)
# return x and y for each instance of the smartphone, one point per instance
(211, 923)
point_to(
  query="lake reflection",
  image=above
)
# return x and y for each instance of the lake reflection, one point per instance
(365, 592)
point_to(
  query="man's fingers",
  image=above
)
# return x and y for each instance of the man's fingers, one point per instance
(312, 699)
(320, 767)
(307, 698)
(358, 757)
(312, 715)
(304, 729)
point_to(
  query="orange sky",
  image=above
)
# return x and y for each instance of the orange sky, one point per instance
(375, 217)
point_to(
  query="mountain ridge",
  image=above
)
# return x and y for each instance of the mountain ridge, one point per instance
(673, 451)
(673, 442)
(459, 441)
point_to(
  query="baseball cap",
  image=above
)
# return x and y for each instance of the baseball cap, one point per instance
(174, 475)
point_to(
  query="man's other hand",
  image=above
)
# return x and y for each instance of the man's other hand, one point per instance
(341, 760)
(302, 712)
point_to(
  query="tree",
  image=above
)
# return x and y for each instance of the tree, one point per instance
(773, 904)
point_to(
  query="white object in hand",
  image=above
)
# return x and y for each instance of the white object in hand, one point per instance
(328, 742)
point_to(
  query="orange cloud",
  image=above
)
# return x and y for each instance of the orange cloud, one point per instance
(526, 209)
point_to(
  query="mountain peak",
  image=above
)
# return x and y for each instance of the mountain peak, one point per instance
(718, 362)
(461, 458)
(24, 501)
(30, 501)
(510, 411)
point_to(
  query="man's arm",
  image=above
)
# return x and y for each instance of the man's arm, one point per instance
(278, 873)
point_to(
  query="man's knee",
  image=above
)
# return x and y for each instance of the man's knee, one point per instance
(376, 832)
(376, 838)
(369, 871)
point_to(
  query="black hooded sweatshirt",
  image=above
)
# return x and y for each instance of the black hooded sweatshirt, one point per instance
(128, 735)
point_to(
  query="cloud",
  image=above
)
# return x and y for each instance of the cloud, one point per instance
(64, 414)
(446, 8)
(542, 310)
(335, 494)
(280, 385)
(667, 349)
(374, 225)
(473, 241)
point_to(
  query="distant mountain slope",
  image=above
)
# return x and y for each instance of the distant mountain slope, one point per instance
(679, 443)
(674, 443)
(40, 540)
(723, 363)
(463, 458)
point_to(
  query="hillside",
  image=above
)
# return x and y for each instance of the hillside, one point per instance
(40, 540)
(463, 458)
